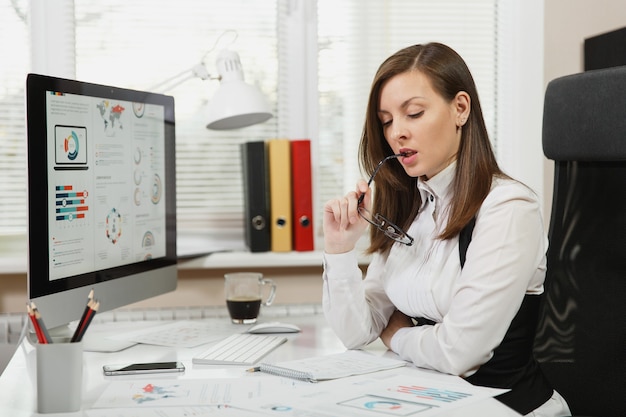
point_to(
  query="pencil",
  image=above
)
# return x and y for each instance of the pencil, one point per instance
(33, 320)
(42, 326)
(83, 321)
(92, 312)
(89, 299)
(84, 316)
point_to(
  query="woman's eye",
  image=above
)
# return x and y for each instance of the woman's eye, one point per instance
(416, 115)
(385, 122)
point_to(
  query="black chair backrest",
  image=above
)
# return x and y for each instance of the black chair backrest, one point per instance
(581, 339)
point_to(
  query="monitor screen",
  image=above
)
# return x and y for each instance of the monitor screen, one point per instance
(101, 196)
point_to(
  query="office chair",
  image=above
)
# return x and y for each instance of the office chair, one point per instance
(581, 338)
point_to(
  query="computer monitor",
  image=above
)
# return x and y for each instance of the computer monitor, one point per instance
(101, 196)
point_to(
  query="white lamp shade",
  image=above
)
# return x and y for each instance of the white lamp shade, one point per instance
(235, 104)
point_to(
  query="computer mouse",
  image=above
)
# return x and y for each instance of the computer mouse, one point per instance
(273, 327)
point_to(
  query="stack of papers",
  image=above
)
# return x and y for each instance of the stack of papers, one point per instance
(399, 391)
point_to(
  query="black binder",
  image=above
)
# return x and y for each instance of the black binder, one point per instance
(256, 196)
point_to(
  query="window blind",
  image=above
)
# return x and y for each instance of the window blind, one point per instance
(15, 63)
(140, 44)
(353, 42)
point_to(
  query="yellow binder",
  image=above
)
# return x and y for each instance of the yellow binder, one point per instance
(279, 161)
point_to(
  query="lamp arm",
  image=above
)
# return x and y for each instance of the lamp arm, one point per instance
(197, 71)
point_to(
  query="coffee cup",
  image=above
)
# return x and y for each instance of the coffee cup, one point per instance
(244, 295)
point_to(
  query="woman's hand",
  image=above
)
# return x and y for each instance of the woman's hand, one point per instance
(342, 224)
(397, 321)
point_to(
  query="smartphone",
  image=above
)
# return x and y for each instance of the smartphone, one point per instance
(143, 368)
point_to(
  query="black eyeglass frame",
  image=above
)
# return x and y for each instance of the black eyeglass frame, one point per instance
(383, 224)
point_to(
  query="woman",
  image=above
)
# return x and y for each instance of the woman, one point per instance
(432, 296)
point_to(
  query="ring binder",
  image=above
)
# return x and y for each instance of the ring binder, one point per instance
(279, 160)
(302, 195)
(256, 196)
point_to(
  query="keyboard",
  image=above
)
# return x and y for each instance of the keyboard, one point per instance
(239, 349)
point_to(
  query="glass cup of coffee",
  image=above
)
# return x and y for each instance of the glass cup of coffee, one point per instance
(244, 295)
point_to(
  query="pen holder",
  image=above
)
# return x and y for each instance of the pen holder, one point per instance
(59, 377)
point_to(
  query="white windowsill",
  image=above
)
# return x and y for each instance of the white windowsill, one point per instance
(12, 264)
(196, 252)
(13, 254)
(253, 260)
(17, 264)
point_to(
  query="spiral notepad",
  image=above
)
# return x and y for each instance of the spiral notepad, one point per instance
(340, 365)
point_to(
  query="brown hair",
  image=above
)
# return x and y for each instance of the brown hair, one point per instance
(397, 196)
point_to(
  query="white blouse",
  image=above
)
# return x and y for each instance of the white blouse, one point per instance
(473, 306)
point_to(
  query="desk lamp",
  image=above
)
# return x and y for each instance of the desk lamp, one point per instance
(236, 104)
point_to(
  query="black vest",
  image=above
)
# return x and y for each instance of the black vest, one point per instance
(513, 365)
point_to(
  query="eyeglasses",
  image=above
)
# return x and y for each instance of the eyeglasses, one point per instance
(379, 221)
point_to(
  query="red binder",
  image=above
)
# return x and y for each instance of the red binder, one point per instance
(302, 194)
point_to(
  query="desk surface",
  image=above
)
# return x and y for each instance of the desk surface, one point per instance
(18, 381)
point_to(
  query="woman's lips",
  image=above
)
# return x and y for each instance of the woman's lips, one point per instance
(408, 156)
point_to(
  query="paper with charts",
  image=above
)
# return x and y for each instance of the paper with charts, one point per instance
(388, 393)
(397, 392)
(159, 392)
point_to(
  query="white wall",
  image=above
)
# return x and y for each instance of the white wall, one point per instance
(567, 23)
(520, 91)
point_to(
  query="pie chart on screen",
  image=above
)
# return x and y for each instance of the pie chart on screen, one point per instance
(71, 146)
